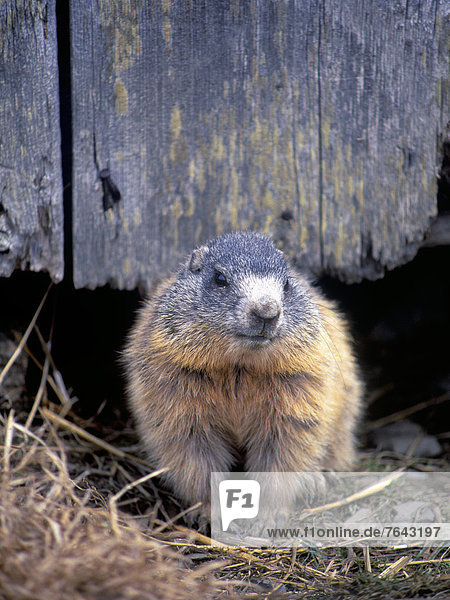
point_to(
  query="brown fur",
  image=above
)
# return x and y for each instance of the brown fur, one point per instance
(198, 406)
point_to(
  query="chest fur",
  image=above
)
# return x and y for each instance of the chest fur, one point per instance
(237, 400)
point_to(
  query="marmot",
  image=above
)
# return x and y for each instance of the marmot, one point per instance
(238, 357)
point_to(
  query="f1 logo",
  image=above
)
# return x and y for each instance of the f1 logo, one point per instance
(239, 499)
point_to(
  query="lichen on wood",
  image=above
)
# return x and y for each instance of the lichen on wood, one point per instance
(217, 116)
(31, 205)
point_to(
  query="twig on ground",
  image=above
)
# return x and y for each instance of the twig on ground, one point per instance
(406, 412)
(54, 418)
(395, 567)
(372, 489)
(25, 337)
(39, 394)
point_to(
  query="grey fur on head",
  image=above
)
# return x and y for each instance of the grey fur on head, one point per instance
(241, 285)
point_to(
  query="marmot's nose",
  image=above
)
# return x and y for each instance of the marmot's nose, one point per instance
(267, 310)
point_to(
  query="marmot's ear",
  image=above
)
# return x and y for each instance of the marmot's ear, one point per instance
(197, 258)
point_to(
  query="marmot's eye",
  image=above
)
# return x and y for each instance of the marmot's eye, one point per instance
(286, 285)
(220, 279)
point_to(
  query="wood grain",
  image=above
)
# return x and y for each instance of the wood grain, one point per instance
(31, 206)
(317, 122)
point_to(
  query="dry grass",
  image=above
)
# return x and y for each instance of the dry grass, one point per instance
(82, 517)
(55, 544)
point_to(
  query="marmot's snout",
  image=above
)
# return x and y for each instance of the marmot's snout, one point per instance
(265, 315)
(267, 309)
(261, 307)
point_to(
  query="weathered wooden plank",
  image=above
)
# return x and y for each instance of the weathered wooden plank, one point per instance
(186, 105)
(380, 114)
(31, 209)
(216, 115)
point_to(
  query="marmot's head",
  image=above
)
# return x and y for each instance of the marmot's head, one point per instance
(236, 300)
